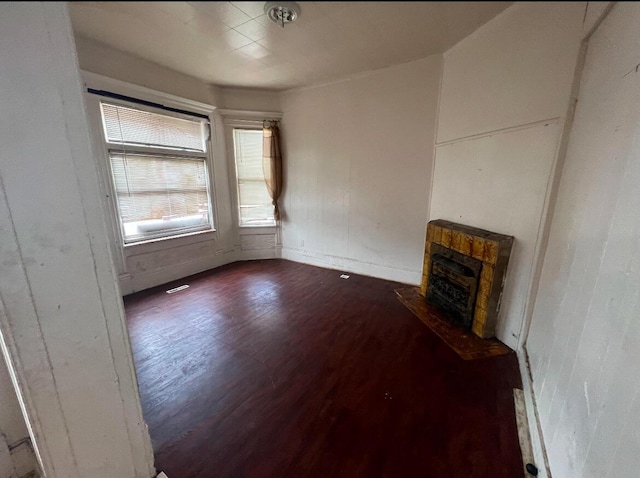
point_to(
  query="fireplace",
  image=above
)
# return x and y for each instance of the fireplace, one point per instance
(464, 272)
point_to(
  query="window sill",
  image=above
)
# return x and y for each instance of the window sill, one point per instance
(249, 230)
(162, 243)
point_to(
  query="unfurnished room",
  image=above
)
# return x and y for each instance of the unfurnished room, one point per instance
(319, 239)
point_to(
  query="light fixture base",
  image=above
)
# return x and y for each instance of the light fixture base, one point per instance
(282, 12)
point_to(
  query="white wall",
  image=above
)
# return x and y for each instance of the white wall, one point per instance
(584, 342)
(358, 158)
(61, 315)
(101, 59)
(505, 94)
(248, 99)
(516, 69)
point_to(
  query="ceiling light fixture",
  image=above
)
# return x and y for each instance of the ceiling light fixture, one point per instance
(282, 12)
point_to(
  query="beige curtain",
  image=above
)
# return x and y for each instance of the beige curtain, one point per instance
(272, 162)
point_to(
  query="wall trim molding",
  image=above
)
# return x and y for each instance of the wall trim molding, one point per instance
(234, 116)
(507, 129)
(354, 76)
(354, 266)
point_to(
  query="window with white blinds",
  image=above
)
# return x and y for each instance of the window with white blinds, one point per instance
(254, 202)
(159, 172)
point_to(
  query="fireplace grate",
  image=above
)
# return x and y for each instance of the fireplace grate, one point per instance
(453, 284)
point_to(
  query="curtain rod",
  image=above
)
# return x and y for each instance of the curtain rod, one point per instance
(116, 96)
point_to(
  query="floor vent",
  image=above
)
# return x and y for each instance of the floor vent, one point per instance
(177, 289)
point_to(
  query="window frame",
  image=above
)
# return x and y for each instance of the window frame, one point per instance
(244, 119)
(237, 181)
(157, 151)
(93, 102)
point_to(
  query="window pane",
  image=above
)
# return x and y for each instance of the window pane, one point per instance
(159, 196)
(136, 127)
(253, 196)
(253, 193)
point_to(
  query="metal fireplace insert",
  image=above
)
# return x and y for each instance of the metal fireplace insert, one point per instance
(453, 284)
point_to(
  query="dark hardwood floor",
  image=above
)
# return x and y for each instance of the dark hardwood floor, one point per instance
(278, 369)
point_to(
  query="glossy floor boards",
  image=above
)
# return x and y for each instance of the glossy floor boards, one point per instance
(279, 369)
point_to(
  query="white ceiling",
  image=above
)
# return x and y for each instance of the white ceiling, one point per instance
(234, 44)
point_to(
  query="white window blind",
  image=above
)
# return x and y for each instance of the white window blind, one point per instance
(136, 127)
(158, 194)
(254, 201)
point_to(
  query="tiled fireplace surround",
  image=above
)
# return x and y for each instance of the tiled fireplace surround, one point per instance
(490, 248)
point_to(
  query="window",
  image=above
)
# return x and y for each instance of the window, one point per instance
(254, 202)
(159, 171)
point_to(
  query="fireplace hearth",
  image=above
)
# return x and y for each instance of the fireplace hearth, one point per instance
(464, 272)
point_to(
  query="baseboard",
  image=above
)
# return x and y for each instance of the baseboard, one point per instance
(355, 266)
(524, 435)
(135, 282)
(255, 254)
(538, 449)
